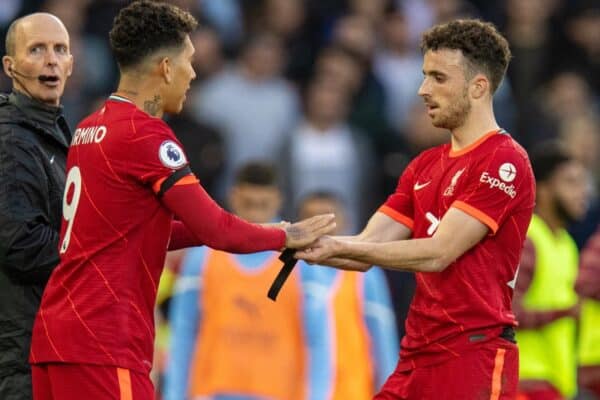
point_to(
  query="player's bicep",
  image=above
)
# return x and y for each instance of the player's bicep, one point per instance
(458, 232)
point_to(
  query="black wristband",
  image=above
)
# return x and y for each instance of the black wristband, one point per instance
(288, 265)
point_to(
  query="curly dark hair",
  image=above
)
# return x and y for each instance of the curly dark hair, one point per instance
(485, 49)
(146, 26)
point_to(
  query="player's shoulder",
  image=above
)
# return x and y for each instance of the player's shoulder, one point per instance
(504, 147)
(431, 154)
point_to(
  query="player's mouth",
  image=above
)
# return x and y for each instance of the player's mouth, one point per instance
(431, 107)
(49, 80)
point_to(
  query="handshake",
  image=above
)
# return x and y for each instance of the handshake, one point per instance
(307, 240)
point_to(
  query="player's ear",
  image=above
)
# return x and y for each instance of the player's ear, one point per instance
(165, 69)
(479, 86)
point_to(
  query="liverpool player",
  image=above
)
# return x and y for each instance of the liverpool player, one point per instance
(127, 176)
(458, 219)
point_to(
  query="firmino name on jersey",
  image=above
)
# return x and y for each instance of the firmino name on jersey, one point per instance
(90, 134)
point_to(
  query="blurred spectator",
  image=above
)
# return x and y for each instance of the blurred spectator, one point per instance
(545, 302)
(588, 288)
(566, 95)
(373, 10)
(398, 67)
(208, 58)
(227, 17)
(325, 151)
(365, 340)
(582, 29)
(250, 104)
(581, 136)
(357, 33)
(347, 67)
(529, 31)
(288, 20)
(447, 10)
(228, 339)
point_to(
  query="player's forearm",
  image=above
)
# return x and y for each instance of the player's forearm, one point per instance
(216, 228)
(417, 255)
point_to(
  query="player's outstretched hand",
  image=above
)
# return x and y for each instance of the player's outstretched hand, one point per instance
(305, 232)
(324, 248)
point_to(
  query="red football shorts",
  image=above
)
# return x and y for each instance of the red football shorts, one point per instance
(488, 372)
(57, 381)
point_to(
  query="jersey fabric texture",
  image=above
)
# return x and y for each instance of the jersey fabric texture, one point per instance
(488, 372)
(98, 305)
(58, 381)
(470, 301)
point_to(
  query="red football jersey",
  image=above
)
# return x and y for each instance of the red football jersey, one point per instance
(491, 180)
(99, 302)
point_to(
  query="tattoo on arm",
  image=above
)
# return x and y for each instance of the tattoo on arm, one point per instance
(152, 107)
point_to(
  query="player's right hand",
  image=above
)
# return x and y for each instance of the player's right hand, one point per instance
(305, 232)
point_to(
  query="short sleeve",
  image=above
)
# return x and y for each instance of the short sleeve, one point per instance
(499, 184)
(399, 205)
(156, 152)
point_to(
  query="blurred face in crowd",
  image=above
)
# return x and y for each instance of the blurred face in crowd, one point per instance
(355, 32)
(180, 73)
(372, 9)
(341, 69)
(255, 203)
(396, 32)
(41, 61)
(326, 102)
(264, 57)
(568, 191)
(285, 17)
(208, 57)
(445, 88)
(318, 205)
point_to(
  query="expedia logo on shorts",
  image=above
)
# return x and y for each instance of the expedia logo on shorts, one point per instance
(497, 183)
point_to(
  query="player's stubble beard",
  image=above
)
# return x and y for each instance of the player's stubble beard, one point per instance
(456, 113)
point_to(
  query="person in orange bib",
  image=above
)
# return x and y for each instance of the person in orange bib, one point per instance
(228, 340)
(364, 345)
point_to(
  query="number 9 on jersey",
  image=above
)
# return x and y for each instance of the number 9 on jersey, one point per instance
(70, 208)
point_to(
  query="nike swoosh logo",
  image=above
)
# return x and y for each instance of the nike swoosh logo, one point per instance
(52, 159)
(421, 186)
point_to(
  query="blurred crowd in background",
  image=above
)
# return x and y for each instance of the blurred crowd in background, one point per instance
(327, 90)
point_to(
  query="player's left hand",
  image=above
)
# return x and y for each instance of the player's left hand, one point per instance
(324, 248)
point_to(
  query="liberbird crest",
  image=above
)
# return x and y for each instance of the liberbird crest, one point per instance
(450, 189)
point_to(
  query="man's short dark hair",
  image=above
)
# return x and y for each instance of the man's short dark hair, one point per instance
(546, 158)
(145, 27)
(257, 173)
(485, 49)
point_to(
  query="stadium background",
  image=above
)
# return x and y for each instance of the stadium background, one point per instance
(356, 65)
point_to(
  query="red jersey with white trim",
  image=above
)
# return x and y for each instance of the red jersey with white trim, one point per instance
(98, 305)
(470, 300)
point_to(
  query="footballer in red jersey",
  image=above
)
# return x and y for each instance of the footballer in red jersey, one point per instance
(127, 177)
(458, 220)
